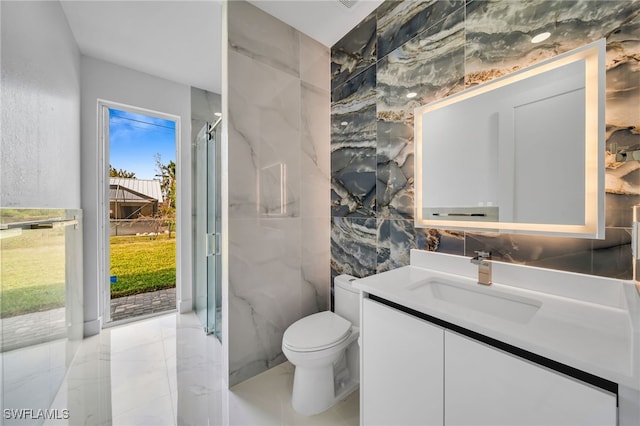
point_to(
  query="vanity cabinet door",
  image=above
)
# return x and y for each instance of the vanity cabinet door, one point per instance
(402, 368)
(485, 386)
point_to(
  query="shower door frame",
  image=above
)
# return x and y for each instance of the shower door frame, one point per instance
(207, 234)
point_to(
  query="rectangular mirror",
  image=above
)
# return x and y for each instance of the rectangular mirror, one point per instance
(523, 153)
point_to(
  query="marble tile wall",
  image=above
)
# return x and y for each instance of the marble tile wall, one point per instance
(439, 47)
(279, 179)
(204, 105)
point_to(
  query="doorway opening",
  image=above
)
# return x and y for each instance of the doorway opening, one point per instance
(140, 148)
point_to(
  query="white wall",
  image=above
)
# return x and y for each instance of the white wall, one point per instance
(40, 103)
(113, 83)
(39, 168)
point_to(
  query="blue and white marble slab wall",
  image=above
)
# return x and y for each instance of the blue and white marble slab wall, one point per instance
(353, 147)
(498, 46)
(353, 246)
(400, 21)
(278, 86)
(436, 48)
(431, 65)
(354, 53)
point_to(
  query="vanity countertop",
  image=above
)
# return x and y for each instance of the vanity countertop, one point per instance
(587, 322)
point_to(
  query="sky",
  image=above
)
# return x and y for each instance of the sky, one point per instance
(134, 140)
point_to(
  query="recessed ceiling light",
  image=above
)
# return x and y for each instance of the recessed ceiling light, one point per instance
(217, 114)
(411, 95)
(344, 123)
(541, 37)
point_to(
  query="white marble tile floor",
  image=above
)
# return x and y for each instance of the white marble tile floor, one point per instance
(166, 371)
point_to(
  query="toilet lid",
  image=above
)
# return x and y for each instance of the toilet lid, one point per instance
(316, 332)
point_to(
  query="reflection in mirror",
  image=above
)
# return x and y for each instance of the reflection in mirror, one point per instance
(523, 153)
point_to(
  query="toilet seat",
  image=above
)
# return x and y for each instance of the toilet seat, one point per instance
(316, 332)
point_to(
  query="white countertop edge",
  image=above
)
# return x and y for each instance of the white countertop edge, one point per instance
(621, 299)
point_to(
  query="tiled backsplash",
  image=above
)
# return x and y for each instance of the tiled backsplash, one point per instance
(436, 48)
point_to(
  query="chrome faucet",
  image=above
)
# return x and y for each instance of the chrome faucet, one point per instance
(483, 260)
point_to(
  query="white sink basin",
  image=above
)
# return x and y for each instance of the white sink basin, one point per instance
(482, 299)
(588, 322)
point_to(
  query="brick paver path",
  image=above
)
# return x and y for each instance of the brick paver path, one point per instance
(39, 327)
(30, 329)
(143, 303)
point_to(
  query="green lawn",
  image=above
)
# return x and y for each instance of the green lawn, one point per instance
(32, 269)
(142, 264)
(32, 272)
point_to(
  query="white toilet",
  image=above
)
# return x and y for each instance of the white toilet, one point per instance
(324, 349)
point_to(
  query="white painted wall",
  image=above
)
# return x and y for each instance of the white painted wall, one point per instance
(39, 168)
(40, 103)
(113, 83)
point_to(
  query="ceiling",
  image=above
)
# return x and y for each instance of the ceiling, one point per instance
(181, 40)
(327, 21)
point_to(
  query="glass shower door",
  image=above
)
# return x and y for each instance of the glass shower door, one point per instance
(207, 288)
(214, 225)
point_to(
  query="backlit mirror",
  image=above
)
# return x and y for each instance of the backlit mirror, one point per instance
(523, 153)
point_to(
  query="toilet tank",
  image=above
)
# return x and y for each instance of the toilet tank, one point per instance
(347, 299)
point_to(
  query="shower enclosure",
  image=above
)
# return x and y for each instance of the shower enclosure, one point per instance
(206, 237)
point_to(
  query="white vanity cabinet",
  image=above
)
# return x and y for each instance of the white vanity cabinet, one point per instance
(417, 373)
(485, 386)
(402, 368)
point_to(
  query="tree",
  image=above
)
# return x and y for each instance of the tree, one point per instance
(167, 175)
(167, 210)
(167, 216)
(113, 172)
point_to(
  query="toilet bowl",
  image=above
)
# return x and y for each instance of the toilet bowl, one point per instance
(323, 348)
